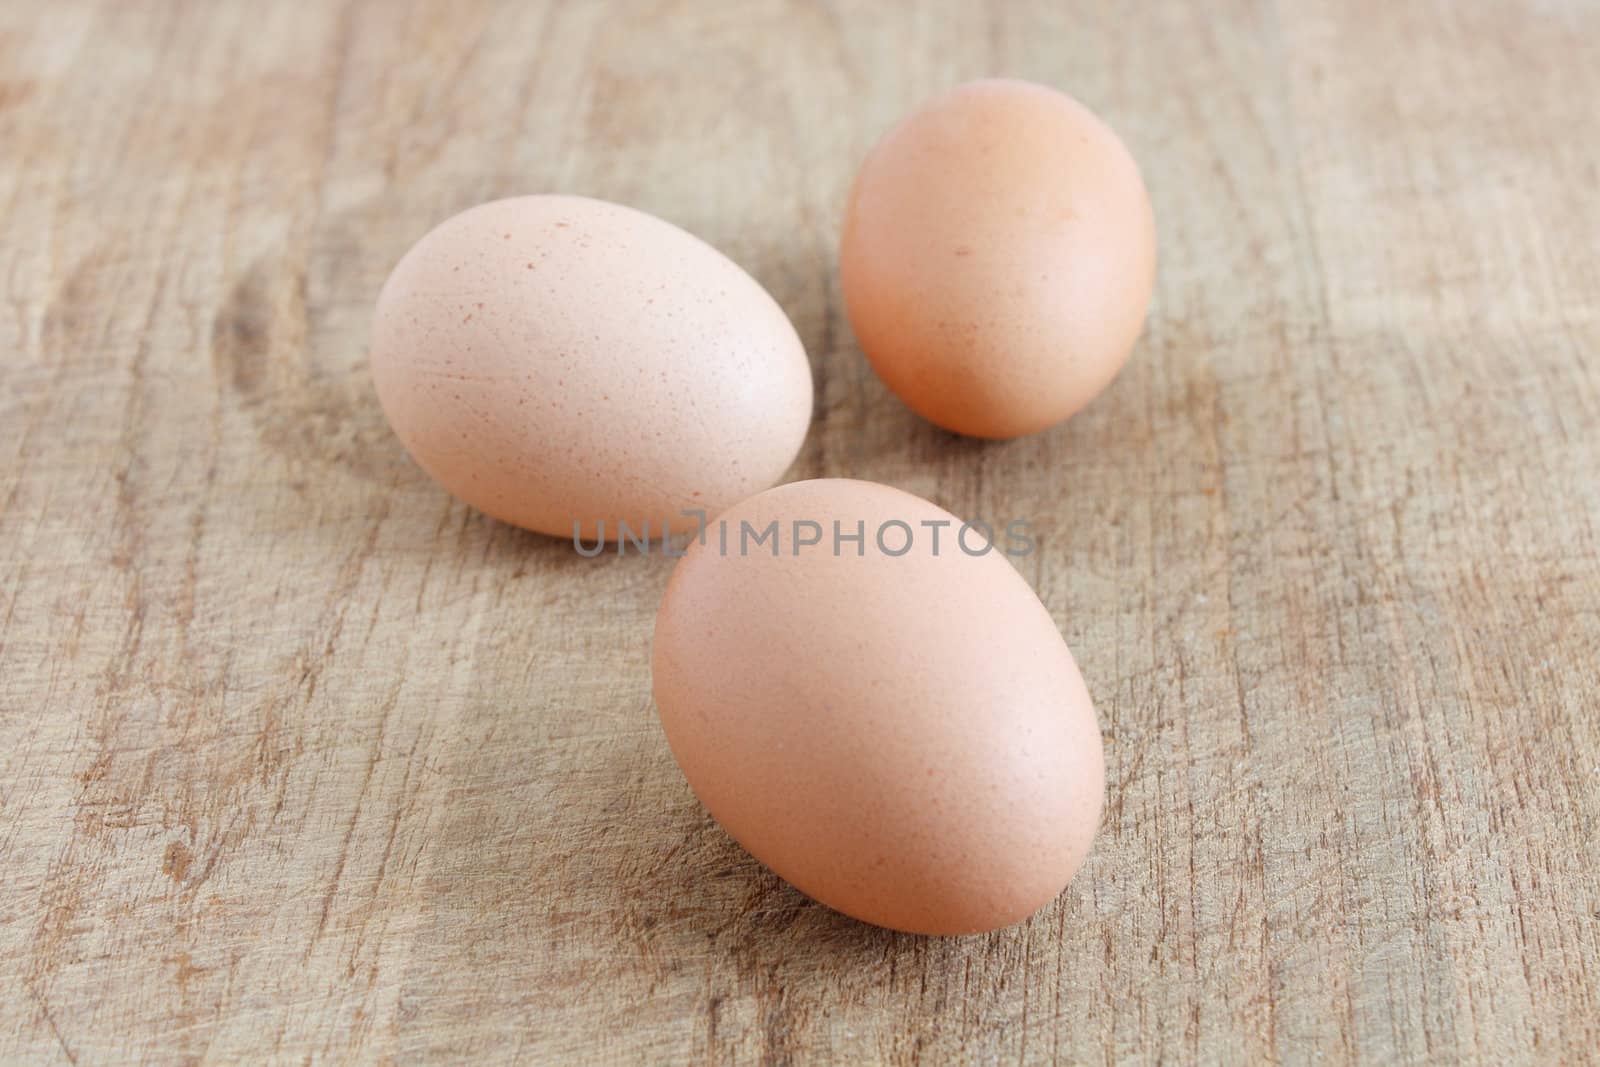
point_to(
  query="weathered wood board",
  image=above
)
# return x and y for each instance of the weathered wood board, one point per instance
(301, 759)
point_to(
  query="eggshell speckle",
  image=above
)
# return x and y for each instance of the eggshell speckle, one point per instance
(998, 257)
(555, 360)
(905, 738)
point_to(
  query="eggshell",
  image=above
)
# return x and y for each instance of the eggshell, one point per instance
(555, 360)
(905, 738)
(998, 258)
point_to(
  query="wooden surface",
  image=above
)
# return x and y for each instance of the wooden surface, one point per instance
(301, 759)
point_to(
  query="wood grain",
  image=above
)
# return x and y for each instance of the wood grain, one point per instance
(301, 760)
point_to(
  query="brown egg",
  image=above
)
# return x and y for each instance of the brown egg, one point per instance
(555, 360)
(998, 258)
(894, 725)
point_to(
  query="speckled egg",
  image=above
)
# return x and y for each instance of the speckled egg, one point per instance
(998, 258)
(568, 364)
(868, 696)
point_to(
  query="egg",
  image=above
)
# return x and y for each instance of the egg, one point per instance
(866, 694)
(998, 258)
(571, 365)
